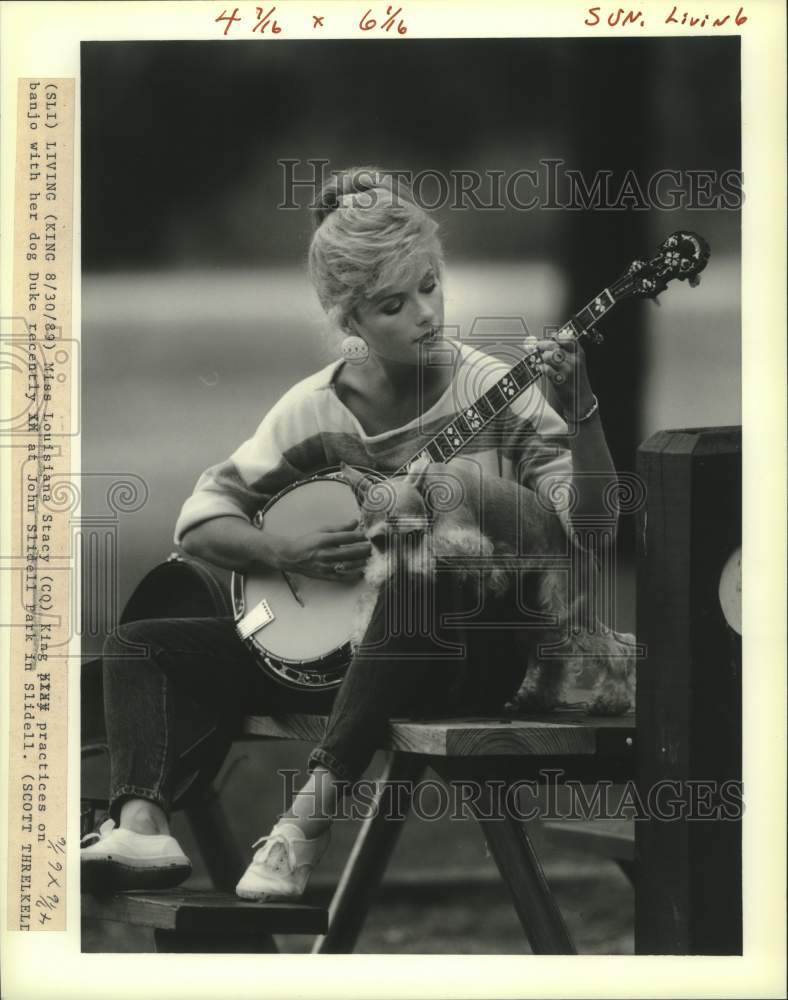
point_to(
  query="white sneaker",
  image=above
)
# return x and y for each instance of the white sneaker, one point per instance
(281, 868)
(122, 859)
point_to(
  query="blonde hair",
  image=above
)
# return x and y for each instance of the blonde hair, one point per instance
(369, 235)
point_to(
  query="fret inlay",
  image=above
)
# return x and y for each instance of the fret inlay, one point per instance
(453, 436)
(473, 418)
(508, 386)
(567, 332)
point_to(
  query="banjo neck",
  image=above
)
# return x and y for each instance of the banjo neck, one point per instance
(683, 255)
(460, 431)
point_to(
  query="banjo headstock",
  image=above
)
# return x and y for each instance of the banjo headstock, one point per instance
(682, 255)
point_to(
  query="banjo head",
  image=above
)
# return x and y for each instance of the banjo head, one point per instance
(298, 626)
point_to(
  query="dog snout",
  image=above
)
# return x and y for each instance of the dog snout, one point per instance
(379, 539)
(412, 528)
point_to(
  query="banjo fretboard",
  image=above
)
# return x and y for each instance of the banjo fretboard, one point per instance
(471, 421)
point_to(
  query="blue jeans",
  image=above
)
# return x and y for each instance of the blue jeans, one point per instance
(177, 689)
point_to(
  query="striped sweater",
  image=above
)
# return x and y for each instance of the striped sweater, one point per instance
(310, 429)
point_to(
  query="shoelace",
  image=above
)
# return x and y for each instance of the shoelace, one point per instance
(271, 840)
(106, 827)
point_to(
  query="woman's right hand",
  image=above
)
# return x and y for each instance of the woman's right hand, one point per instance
(333, 552)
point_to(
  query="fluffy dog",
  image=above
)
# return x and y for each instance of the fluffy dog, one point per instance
(489, 528)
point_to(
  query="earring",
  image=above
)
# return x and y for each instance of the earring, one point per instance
(355, 350)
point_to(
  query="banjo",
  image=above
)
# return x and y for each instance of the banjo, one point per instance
(298, 626)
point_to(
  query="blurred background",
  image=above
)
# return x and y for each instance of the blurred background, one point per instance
(197, 314)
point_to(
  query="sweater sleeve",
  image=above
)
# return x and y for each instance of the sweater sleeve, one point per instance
(538, 447)
(540, 443)
(286, 446)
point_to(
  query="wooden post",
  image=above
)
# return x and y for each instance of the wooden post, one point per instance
(688, 871)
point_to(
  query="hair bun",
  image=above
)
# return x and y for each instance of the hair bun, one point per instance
(355, 180)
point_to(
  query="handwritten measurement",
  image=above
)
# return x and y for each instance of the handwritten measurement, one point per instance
(265, 19)
(368, 22)
(266, 23)
(48, 902)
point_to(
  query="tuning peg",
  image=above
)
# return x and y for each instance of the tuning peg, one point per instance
(694, 281)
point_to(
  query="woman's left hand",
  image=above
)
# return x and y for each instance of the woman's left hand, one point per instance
(563, 364)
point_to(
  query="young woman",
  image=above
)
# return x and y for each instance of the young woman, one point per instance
(376, 263)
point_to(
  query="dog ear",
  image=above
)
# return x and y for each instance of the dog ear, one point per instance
(417, 473)
(418, 480)
(358, 481)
